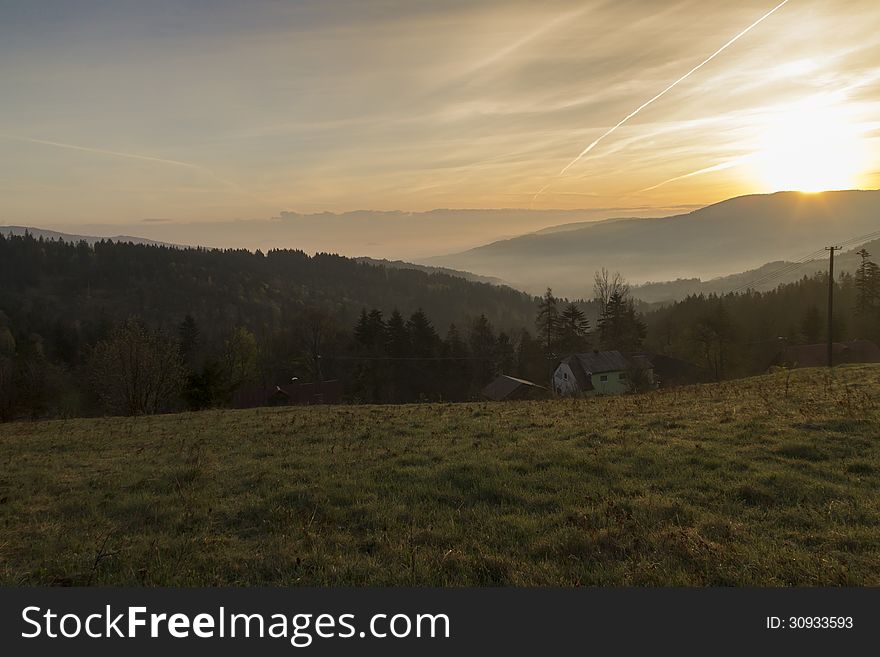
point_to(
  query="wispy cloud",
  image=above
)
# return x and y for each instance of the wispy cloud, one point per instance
(248, 110)
(721, 166)
(669, 88)
(205, 171)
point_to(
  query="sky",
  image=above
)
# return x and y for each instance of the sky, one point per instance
(151, 115)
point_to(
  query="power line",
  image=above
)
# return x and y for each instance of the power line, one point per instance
(790, 267)
(778, 273)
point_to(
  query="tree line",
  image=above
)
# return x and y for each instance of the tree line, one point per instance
(136, 329)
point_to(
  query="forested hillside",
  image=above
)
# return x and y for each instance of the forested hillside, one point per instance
(133, 329)
(59, 299)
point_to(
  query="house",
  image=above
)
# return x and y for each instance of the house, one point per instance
(816, 355)
(506, 388)
(602, 373)
(323, 392)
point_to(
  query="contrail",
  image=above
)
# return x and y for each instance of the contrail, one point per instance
(669, 88)
(729, 164)
(103, 151)
(135, 156)
(675, 84)
(565, 18)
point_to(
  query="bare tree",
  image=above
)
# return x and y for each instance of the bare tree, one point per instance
(137, 371)
(316, 329)
(606, 285)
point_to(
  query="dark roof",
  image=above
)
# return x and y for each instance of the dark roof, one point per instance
(597, 362)
(574, 364)
(816, 355)
(508, 387)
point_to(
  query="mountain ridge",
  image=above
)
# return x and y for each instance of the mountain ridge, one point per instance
(734, 235)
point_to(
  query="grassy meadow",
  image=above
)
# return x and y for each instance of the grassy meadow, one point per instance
(773, 480)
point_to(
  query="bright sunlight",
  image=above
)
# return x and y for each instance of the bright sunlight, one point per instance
(811, 147)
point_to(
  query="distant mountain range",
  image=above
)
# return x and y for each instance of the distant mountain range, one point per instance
(766, 277)
(738, 235)
(666, 258)
(70, 237)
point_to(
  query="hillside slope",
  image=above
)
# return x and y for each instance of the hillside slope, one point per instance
(760, 482)
(734, 235)
(51, 286)
(764, 278)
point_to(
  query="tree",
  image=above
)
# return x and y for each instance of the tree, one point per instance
(607, 285)
(457, 367)
(424, 379)
(424, 338)
(370, 332)
(317, 329)
(397, 338)
(482, 342)
(240, 363)
(505, 354)
(547, 322)
(137, 371)
(481, 337)
(867, 281)
(574, 329)
(206, 388)
(531, 364)
(370, 372)
(620, 326)
(812, 325)
(392, 374)
(714, 332)
(455, 347)
(188, 335)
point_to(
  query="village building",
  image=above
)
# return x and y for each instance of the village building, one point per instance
(506, 388)
(602, 373)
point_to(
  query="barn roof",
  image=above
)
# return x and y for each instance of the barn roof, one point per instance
(505, 386)
(597, 362)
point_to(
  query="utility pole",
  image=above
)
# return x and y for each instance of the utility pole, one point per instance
(831, 250)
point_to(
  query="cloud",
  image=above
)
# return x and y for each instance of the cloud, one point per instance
(668, 88)
(136, 156)
(402, 105)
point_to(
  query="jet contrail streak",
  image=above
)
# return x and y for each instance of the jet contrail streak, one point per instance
(717, 167)
(501, 54)
(102, 151)
(135, 156)
(670, 87)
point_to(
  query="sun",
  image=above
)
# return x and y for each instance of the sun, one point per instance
(810, 147)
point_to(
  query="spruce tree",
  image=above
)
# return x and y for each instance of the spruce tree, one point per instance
(574, 329)
(547, 322)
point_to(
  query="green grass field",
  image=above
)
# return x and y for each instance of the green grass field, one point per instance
(772, 481)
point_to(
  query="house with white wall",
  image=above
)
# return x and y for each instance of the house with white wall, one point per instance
(600, 373)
